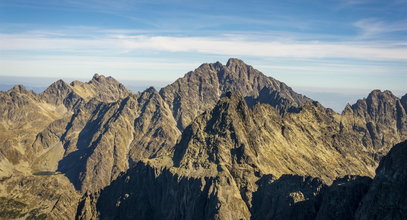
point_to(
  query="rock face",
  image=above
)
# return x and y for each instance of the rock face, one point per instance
(103, 138)
(220, 145)
(386, 198)
(24, 114)
(44, 196)
(199, 90)
(342, 198)
(289, 197)
(379, 120)
(223, 142)
(147, 193)
(303, 143)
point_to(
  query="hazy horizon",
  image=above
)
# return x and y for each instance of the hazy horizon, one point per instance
(332, 98)
(332, 50)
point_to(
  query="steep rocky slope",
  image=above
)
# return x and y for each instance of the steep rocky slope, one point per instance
(95, 150)
(33, 128)
(149, 193)
(386, 198)
(232, 162)
(43, 196)
(380, 120)
(101, 88)
(145, 192)
(23, 115)
(199, 90)
(306, 143)
(107, 138)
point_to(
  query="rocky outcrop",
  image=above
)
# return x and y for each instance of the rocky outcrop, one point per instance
(386, 198)
(145, 192)
(222, 170)
(149, 193)
(104, 89)
(199, 90)
(380, 121)
(108, 138)
(59, 93)
(340, 200)
(43, 196)
(23, 114)
(289, 197)
(304, 143)
(100, 88)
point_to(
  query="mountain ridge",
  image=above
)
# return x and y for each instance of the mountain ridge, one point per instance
(224, 131)
(202, 88)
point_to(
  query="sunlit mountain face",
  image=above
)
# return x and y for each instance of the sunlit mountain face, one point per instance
(203, 110)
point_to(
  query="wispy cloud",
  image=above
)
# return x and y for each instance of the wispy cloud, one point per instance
(372, 27)
(119, 43)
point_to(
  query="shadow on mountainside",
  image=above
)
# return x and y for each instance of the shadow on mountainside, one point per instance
(73, 164)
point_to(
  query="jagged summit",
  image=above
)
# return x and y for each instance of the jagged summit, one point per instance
(200, 89)
(103, 79)
(151, 89)
(378, 95)
(97, 77)
(380, 119)
(18, 88)
(57, 85)
(235, 135)
(101, 88)
(237, 65)
(235, 62)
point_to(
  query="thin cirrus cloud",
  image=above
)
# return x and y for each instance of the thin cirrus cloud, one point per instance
(222, 45)
(372, 27)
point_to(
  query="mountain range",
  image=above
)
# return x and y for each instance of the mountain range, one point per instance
(222, 142)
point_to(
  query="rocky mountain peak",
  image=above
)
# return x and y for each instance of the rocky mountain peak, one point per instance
(205, 69)
(251, 148)
(98, 77)
(57, 92)
(377, 102)
(380, 111)
(103, 79)
(347, 109)
(58, 85)
(219, 129)
(106, 89)
(233, 62)
(149, 94)
(231, 106)
(151, 89)
(377, 95)
(200, 90)
(18, 89)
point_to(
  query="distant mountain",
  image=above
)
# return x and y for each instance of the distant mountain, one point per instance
(223, 142)
(199, 90)
(380, 120)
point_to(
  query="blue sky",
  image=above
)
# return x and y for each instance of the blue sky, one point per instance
(347, 47)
